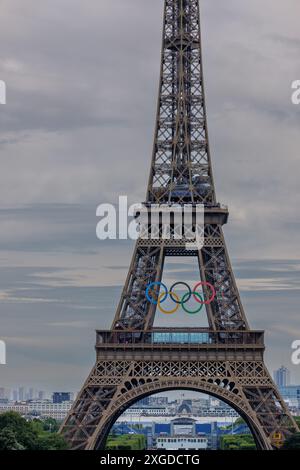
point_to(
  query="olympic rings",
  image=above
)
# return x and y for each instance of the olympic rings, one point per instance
(213, 290)
(151, 300)
(168, 312)
(156, 298)
(189, 293)
(192, 312)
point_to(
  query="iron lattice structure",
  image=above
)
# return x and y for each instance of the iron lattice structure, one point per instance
(225, 359)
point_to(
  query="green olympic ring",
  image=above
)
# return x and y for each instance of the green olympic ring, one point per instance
(198, 309)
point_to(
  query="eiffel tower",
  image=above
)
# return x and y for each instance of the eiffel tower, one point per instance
(135, 359)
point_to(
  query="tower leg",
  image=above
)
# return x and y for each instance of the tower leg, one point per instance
(113, 386)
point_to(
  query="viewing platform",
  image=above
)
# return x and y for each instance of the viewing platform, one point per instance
(201, 343)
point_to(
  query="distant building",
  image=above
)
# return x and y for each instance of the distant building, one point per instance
(158, 400)
(41, 395)
(42, 408)
(61, 397)
(183, 436)
(21, 394)
(291, 395)
(218, 412)
(146, 411)
(31, 394)
(185, 407)
(182, 443)
(282, 377)
(144, 402)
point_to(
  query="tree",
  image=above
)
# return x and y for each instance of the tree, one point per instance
(51, 425)
(18, 434)
(8, 440)
(51, 441)
(24, 434)
(297, 419)
(48, 424)
(293, 442)
(126, 442)
(239, 421)
(237, 442)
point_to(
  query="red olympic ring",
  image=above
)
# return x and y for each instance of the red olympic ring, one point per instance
(213, 290)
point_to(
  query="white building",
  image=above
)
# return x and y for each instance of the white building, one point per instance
(147, 411)
(183, 436)
(182, 443)
(42, 408)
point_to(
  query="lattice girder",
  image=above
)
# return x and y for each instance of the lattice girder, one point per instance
(181, 151)
(245, 385)
(229, 365)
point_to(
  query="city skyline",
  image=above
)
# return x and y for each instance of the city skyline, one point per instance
(48, 392)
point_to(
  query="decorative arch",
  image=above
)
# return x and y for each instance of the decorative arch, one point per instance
(139, 391)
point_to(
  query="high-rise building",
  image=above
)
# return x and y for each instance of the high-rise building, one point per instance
(291, 394)
(282, 377)
(60, 397)
(144, 402)
(41, 395)
(158, 400)
(21, 393)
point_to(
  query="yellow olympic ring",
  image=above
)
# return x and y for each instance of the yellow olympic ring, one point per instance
(168, 312)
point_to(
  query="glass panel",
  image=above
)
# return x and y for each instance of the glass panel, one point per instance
(181, 338)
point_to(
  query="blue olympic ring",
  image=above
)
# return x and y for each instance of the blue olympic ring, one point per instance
(152, 284)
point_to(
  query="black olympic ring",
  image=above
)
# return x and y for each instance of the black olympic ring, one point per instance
(188, 296)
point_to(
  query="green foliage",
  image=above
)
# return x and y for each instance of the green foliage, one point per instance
(8, 440)
(22, 430)
(293, 442)
(51, 425)
(37, 426)
(48, 424)
(237, 442)
(239, 421)
(18, 434)
(297, 419)
(50, 441)
(236, 423)
(126, 442)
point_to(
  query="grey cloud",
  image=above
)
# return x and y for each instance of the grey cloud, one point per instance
(72, 314)
(78, 130)
(287, 41)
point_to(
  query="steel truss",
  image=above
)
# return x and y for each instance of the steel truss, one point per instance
(228, 363)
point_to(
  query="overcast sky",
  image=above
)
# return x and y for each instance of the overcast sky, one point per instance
(77, 130)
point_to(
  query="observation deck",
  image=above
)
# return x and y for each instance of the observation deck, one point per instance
(214, 214)
(181, 344)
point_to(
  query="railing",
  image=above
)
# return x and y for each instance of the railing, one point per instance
(180, 336)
